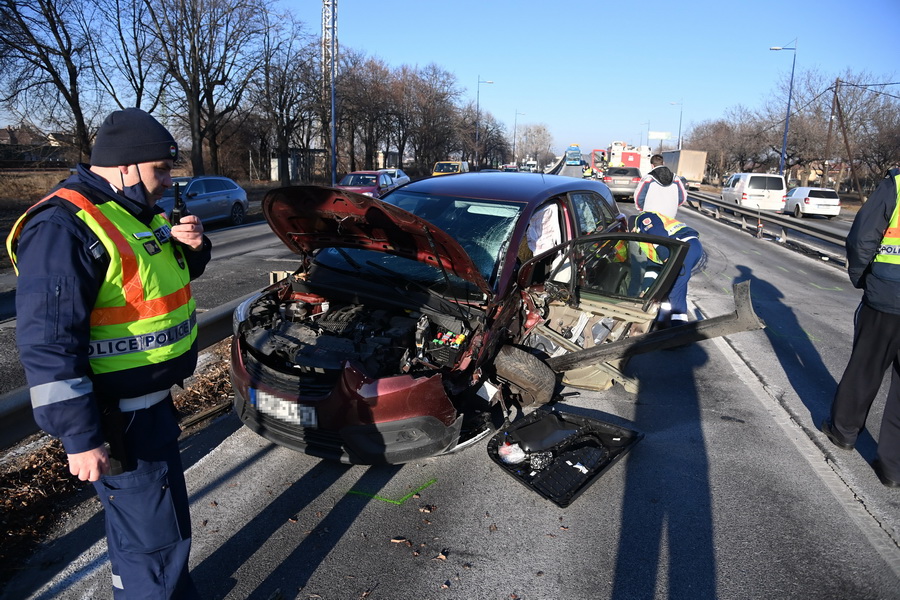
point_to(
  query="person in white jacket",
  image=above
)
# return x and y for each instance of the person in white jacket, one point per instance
(659, 190)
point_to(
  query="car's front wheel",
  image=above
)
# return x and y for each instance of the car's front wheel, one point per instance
(527, 375)
(237, 214)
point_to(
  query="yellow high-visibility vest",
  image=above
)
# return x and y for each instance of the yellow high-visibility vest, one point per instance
(144, 313)
(889, 251)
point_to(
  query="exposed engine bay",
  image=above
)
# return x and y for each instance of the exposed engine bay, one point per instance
(298, 332)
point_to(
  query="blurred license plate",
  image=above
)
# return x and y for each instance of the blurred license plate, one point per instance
(289, 412)
(622, 181)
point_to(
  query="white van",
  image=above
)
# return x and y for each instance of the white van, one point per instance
(755, 190)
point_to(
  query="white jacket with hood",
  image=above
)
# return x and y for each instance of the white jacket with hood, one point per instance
(660, 191)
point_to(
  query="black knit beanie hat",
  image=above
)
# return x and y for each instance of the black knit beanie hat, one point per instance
(132, 136)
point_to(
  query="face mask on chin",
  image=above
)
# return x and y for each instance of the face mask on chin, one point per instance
(137, 192)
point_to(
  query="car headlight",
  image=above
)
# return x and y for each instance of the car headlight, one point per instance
(369, 194)
(242, 312)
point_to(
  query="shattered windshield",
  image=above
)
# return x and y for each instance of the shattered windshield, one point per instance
(481, 227)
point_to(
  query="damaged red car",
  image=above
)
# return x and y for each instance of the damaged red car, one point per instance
(414, 323)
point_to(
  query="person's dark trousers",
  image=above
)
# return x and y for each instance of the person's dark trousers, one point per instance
(876, 347)
(148, 525)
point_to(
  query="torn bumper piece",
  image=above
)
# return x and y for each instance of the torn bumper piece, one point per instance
(559, 455)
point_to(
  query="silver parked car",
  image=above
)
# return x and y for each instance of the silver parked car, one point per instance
(622, 181)
(210, 197)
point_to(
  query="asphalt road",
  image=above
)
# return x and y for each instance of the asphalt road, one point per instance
(732, 493)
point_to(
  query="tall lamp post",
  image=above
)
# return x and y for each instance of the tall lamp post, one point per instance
(478, 114)
(787, 118)
(515, 133)
(680, 104)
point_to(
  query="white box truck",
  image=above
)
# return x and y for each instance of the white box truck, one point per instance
(690, 164)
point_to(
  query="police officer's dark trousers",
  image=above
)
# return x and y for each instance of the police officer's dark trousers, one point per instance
(677, 312)
(148, 527)
(876, 347)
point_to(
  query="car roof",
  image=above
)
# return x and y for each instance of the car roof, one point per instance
(530, 188)
(196, 177)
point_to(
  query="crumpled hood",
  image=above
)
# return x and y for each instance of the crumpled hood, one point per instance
(663, 175)
(308, 217)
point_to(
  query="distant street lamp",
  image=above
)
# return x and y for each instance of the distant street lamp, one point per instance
(478, 114)
(515, 133)
(787, 118)
(680, 114)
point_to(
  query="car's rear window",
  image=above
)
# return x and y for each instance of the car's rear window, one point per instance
(765, 182)
(628, 171)
(822, 194)
(358, 180)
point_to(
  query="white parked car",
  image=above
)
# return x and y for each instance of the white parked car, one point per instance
(803, 201)
(399, 177)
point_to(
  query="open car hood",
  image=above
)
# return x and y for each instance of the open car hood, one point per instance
(309, 217)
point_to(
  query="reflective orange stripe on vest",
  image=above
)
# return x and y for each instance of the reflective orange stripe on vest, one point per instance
(135, 308)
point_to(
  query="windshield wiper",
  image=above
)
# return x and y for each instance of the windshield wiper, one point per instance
(446, 303)
(437, 256)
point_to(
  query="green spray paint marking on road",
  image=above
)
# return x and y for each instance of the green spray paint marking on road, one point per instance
(388, 500)
(827, 289)
(724, 289)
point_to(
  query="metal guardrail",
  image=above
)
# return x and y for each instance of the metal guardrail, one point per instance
(756, 220)
(15, 407)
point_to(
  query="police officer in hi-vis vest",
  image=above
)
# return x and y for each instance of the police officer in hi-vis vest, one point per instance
(673, 312)
(106, 324)
(873, 264)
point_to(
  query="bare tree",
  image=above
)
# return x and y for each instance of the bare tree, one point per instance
(282, 91)
(535, 141)
(44, 57)
(494, 145)
(210, 48)
(401, 107)
(364, 90)
(125, 55)
(433, 133)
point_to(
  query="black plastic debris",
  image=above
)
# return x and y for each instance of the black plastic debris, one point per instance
(559, 455)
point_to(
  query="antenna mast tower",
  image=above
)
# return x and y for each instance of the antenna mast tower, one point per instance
(329, 42)
(329, 61)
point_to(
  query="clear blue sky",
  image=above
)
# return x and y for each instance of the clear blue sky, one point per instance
(596, 72)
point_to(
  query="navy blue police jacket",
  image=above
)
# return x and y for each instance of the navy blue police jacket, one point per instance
(879, 280)
(58, 283)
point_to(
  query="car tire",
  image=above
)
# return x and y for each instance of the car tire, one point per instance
(237, 214)
(528, 376)
(797, 211)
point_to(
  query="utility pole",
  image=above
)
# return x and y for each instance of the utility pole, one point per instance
(329, 57)
(837, 82)
(840, 112)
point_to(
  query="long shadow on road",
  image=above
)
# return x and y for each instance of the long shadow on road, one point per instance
(667, 504)
(798, 356)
